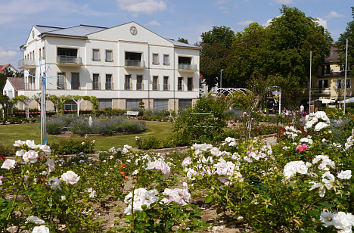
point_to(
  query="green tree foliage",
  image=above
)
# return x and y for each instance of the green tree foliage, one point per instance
(204, 122)
(182, 40)
(215, 53)
(4, 75)
(348, 34)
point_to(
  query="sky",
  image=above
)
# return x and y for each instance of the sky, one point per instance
(169, 18)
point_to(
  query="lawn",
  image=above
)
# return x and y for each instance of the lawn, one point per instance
(10, 133)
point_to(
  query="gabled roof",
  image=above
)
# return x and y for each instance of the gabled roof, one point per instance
(3, 67)
(17, 83)
(43, 29)
(333, 56)
(77, 31)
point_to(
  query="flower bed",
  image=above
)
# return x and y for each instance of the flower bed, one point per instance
(303, 183)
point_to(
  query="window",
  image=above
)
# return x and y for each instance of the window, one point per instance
(165, 83)
(127, 82)
(155, 80)
(166, 59)
(95, 54)
(109, 57)
(322, 83)
(132, 104)
(184, 103)
(155, 59)
(40, 53)
(61, 81)
(139, 82)
(108, 82)
(104, 103)
(43, 51)
(75, 81)
(190, 84)
(339, 84)
(70, 106)
(160, 105)
(180, 84)
(95, 82)
(348, 84)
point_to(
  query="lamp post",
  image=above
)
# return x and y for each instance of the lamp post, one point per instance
(310, 84)
(221, 77)
(345, 72)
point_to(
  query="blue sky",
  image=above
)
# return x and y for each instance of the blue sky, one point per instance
(169, 18)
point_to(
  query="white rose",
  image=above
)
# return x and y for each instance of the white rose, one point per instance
(18, 143)
(31, 144)
(345, 175)
(46, 149)
(70, 177)
(20, 153)
(30, 156)
(40, 229)
(8, 164)
(320, 126)
(35, 220)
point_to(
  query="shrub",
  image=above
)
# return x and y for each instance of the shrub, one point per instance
(80, 127)
(6, 151)
(202, 122)
(148, 143)
(67, 147)
(55, 126)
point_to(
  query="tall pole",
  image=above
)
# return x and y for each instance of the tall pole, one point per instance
(345, 72)
(310, 82)
(43, 106)
(221, 77)
(279, 101)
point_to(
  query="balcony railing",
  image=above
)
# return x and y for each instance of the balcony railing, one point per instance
(24, 63)
(187, 67)
(71, 60)
(135, 63)
(321, 91)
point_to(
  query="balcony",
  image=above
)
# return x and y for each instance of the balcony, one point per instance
(134, 64)
(26, 64)
(187, 67)
(321, 91)
(64, 60)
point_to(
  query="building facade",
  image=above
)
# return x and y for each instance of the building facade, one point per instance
(121, 66)
(329, 86)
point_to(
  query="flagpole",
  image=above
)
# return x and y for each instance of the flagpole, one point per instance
(310, 82)
(345, 72)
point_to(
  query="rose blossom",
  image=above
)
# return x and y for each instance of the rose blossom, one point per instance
(301, 148)
(40, 229)
(70, 177)
(345, 175)
(19, 143)
(31, 144)
(30, 156)
(8, 164)
(1, 178)
(20, 153)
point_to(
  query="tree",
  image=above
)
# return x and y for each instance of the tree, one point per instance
(215, 53)
(182, 40)
(26, 101)
(4, 75)
(348, 34)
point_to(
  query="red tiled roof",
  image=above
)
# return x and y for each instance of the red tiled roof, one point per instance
(17, 83)
(2, 67)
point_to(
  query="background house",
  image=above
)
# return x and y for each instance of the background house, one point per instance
(12, 86)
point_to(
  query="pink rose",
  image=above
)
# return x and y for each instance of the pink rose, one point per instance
(30, 156)
(82, 143)
(301, 148)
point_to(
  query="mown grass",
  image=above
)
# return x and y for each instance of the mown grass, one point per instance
(10, 133)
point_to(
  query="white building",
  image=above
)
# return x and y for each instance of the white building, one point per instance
(121, 66)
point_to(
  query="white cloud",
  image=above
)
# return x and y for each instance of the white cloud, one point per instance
(142, 6)
(31, 8)
(245, 22)
(334, 14)
(154, 23)
(7, 56)
(322, 22)
(284, 1)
